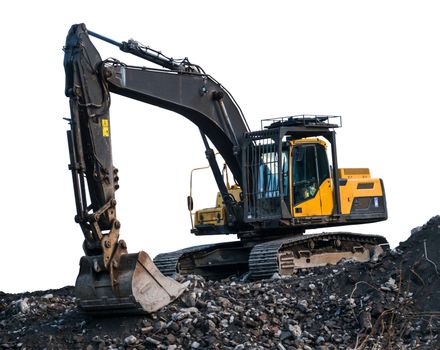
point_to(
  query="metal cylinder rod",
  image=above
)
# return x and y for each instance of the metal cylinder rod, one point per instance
(102, 37)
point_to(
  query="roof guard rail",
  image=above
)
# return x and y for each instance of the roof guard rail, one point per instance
(303, 120)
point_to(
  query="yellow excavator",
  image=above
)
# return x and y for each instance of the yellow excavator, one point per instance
(284, 183)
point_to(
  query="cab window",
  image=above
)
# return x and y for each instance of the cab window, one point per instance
(310, 169)
(323, 166)
(305, 174)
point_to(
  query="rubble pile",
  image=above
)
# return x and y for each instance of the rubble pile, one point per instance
(391, 303)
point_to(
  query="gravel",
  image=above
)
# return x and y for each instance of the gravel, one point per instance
(392, 303)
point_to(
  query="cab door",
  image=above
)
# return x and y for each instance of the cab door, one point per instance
(311, 187)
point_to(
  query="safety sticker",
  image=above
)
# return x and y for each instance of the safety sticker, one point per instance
(105, 128)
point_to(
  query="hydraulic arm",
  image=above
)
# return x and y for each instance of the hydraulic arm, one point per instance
(110, 279)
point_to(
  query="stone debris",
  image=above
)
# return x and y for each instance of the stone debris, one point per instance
(391, 303)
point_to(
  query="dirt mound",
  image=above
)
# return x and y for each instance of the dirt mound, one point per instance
(421, 264)
(393, 303)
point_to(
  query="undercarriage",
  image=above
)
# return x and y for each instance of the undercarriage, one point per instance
(260, 260)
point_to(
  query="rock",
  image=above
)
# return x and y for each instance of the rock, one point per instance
(390, 285)
(351, 302)
(295, 330)
(324, 347)
(183, 330)
(78, 338)
(285, 335)
(307, 335)
(320, 340)
(147, 330)
(191, 310)
(195, 345)
(130, 340)
(225, 303)
(23, 306)
(171, 338)
(211, 325)
(174, 326)
(302, 305)
(180, 316)
(152, 341)
(276, 276)
(189, 299)
(365, 320)
(159, 325)
(97, 339)
(238, 308)
(278, 333)
(200, 304)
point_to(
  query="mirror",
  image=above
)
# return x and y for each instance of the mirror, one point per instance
(190, 203)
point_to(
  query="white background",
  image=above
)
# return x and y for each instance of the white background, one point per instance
(376, 63)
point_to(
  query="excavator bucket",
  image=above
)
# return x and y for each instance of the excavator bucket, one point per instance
(139, 287)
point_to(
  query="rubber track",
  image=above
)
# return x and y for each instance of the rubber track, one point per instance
(167, 262)
(263, 259)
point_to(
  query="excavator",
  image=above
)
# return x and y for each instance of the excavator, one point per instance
(286, 181)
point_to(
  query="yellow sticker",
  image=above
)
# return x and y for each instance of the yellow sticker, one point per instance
(105, 128)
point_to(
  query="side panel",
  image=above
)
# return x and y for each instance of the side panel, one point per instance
(355, 189)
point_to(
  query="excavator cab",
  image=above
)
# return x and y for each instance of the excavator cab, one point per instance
(305, 177)
(292, 181)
